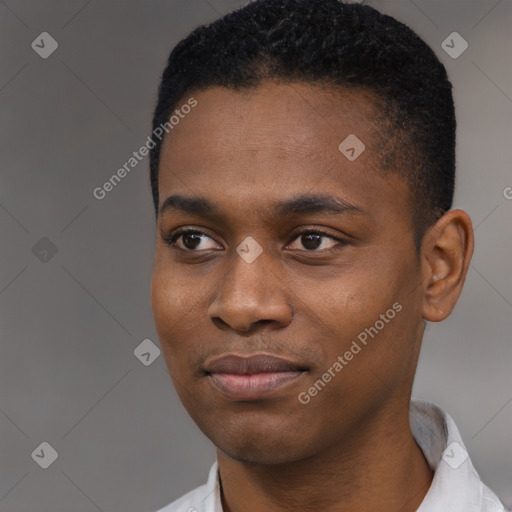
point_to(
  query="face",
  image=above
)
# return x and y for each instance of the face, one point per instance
(294, 258)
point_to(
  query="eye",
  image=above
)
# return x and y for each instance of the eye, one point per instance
(190, 239)
(311, 240)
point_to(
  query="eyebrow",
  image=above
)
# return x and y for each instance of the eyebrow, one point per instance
(300, 205)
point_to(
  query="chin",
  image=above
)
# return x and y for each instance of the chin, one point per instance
(250, 447)
(259, 455)
(260, 435)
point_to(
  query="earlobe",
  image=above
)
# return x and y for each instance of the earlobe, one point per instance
(446, 252)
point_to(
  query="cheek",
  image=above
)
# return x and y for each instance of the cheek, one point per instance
(172, 307)
(351, 299)
(348, 309)
(172, 294)
(176, 323)
(178, 303)
(162, 302)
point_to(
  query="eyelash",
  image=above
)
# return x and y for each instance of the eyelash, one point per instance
(341, 242)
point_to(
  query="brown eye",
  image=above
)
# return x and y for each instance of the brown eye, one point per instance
(311, 240)
(190, 240)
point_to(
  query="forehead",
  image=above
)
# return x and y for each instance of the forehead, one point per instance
(296, 118)
(261, 144)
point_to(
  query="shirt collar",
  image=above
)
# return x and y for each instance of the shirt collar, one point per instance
(456, 485)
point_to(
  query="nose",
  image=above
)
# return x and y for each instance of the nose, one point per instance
(251, 294)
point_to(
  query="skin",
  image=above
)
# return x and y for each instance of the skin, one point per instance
(351, 447)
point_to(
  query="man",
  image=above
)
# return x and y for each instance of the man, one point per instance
(302, 191)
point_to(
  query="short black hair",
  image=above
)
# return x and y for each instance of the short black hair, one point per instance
(331, 43)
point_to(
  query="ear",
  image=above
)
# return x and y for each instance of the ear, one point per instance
(446, 252)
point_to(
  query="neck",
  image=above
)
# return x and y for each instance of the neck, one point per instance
(380, 469)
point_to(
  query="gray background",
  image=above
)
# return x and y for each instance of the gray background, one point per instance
(69, 325)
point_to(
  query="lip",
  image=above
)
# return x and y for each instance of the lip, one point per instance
(247, 378)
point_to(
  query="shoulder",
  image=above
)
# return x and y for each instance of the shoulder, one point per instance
(490, 502)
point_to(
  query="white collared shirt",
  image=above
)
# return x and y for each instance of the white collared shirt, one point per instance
(456, 486)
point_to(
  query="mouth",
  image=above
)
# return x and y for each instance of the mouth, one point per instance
(252, 378)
